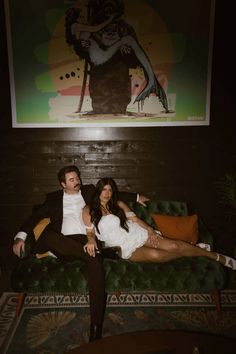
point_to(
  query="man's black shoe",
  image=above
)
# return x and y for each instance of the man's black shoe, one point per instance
(95, 332)
(111, 252)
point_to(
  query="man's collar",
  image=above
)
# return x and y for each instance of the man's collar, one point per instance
(70, 194)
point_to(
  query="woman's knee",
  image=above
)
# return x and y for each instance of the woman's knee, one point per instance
(155, 255)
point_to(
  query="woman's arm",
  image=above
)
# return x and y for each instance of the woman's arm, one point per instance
(91, 245)
(86, 216)
(131, 216)
(152, 236)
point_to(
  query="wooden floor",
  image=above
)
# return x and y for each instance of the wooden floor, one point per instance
(159, 342)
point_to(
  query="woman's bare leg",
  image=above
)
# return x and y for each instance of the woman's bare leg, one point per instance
(152, 255)
(185, 249)
(165, 250)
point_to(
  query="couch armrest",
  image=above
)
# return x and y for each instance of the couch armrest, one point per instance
(29, 243)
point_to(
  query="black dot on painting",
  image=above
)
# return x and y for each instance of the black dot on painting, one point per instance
(67, 76)
(72, 74)
(61, 77)
(136, 85)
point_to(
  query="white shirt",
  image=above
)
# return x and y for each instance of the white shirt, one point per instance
(73, 205)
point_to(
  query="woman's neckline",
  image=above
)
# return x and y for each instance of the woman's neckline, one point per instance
(105, 211)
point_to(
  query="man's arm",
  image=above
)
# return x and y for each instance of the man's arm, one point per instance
(127, 197)
(77, 28)
(132, 197)
(142, 199)
(38, 213)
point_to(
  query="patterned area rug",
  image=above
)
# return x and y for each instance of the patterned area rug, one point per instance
(54, 323)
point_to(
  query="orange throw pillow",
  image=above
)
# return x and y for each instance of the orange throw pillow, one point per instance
(183, 228)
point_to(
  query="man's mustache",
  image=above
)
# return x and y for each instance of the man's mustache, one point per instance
(77, 185)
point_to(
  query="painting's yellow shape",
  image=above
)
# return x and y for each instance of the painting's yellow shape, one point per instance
(151, 31)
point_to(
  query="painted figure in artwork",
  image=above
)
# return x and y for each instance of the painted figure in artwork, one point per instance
(110, 46)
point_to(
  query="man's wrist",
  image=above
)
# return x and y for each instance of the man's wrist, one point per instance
(21, 235)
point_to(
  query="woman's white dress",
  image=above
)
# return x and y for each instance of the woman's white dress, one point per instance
(114, 235)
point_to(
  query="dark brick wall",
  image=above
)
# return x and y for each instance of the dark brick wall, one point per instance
(177, 163)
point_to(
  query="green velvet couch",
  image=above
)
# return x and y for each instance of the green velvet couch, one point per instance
(184, 275)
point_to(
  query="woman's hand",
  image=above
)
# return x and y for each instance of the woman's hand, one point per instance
(152, 238)
(91, 247)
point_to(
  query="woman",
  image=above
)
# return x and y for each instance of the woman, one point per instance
(113, 222)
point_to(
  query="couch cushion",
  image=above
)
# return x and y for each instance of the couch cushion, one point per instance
(51, 275)
(178, 227)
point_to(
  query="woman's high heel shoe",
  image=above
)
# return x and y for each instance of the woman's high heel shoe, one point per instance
(229, 262)
(204, 246)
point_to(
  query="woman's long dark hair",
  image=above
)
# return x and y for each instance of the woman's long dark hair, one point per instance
(112, 206)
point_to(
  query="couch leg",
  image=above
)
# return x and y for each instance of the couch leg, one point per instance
(117, 294)
(20, 302)
(216, 298)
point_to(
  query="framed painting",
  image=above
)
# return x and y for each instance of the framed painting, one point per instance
(91, 63)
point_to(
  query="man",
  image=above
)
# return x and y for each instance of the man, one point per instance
(65, 235)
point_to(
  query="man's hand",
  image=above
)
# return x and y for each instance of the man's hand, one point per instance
(142, 199)
(18, 247)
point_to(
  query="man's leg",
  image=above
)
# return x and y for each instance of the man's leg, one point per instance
(71, 247)
(96, 285)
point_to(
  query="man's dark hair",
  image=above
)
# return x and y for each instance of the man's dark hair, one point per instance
(61, 175)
